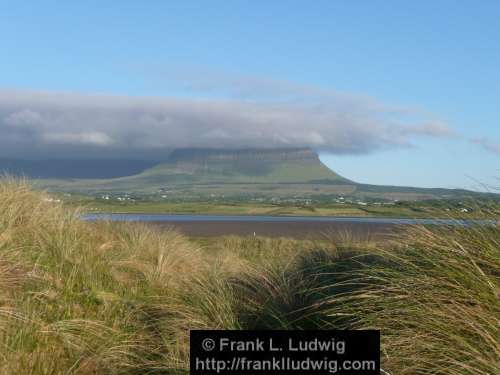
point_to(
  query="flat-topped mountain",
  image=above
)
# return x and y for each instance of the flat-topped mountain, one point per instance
(294, 165)
(245, 165)
(219, 172)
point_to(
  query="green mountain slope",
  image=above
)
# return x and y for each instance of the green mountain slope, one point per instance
(240, 166)
(212, 167)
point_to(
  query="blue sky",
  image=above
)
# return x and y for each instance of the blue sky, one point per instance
(434, 62)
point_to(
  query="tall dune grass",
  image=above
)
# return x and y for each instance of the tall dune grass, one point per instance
(107, 298)
(436, 300)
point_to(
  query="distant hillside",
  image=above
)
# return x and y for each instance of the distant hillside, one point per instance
(214, 172)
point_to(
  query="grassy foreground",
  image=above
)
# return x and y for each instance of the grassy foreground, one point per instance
(82, 298)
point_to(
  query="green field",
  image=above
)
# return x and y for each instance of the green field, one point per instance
(431, 209)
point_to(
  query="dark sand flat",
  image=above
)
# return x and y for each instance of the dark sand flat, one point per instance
(300, 227)
(298, 230)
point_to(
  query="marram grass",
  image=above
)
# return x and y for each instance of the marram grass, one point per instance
(107, 298)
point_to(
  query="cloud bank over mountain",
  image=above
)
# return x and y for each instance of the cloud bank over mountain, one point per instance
(60, 124)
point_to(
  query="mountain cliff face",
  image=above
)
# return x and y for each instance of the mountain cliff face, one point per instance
(270, 155)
